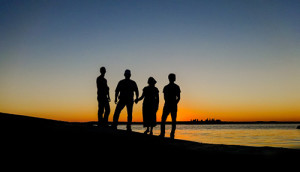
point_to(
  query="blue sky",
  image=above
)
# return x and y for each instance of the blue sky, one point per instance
(227, 54)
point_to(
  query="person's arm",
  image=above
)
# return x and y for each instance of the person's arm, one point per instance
(107, 90)
(178, 95)
(157, 100)
(178, 98)
(165, 96)
(97, 84)
(141, 98)
(116, 96)
(136, 92)
(108, 97)
(117, 93)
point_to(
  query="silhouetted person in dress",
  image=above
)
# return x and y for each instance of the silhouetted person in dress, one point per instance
(150, 105)
(124, 93)
(172, 97)
(103, 98)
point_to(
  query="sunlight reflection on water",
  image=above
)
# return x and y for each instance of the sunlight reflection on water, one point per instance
(275, 135)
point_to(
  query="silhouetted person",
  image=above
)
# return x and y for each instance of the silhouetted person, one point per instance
(125, 92)
(150, 105)
(172, 97)
(103, 98)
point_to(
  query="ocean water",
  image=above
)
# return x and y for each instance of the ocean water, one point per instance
(275, 135)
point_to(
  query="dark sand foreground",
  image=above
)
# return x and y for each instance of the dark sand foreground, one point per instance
(48, 141)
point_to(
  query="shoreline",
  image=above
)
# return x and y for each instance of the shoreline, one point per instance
(200, 123)
(45, 138)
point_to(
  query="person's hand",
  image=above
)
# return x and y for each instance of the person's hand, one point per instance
(136, 101)
(116, 101)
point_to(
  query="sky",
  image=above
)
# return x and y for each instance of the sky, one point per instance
(234, 60)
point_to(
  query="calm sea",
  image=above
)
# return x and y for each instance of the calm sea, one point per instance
(275, 135)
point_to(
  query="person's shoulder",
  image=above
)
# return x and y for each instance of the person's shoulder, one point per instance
(173, 86)
(146, 88)
(99, 78)
(151, 88)
(177, 87)
(132, 81)
(166, 87)
(121, 81)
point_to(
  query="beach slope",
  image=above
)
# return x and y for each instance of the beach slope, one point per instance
(44, 139)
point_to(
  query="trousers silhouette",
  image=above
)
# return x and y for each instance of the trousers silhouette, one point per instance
(121, 104)
(166, 111)
(103, 98)
(103, 106)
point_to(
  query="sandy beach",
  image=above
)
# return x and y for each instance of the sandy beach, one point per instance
(60, 141)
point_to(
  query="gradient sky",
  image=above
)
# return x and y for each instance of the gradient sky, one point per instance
(234, 60)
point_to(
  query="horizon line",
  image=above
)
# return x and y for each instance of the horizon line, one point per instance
(190, 121)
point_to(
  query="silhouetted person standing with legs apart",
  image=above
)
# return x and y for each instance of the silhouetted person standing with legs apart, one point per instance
(172, 97)
(103, 98)
(124, 92)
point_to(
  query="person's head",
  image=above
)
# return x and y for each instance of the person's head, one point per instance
(127, 74)
(172, 77)
(102, 70)
(151, 81)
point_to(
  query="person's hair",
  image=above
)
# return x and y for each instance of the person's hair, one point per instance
(151, 81)
(102, 70)
(127, 73)
(172, 77)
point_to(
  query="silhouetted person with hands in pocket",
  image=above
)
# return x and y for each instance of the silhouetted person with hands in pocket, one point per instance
(150, 105)
(103, 98)
(125, 93)
(172, 97)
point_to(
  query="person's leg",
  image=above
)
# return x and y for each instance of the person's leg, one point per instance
(129, 106)
(151, 130)
(106, 114)
(146, 120)
(100, 112)
(163, 121)
(173, 116)
(118, 110)
(147, 130)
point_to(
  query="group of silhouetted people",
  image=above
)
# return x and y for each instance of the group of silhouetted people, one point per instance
(124, 96)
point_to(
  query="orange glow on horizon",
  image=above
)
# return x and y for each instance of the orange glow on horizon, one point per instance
(184, 114)
(85, 109)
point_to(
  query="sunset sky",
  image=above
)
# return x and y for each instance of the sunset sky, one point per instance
(235, 60)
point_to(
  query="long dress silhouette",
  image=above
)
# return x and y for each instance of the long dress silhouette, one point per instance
(150, 105)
